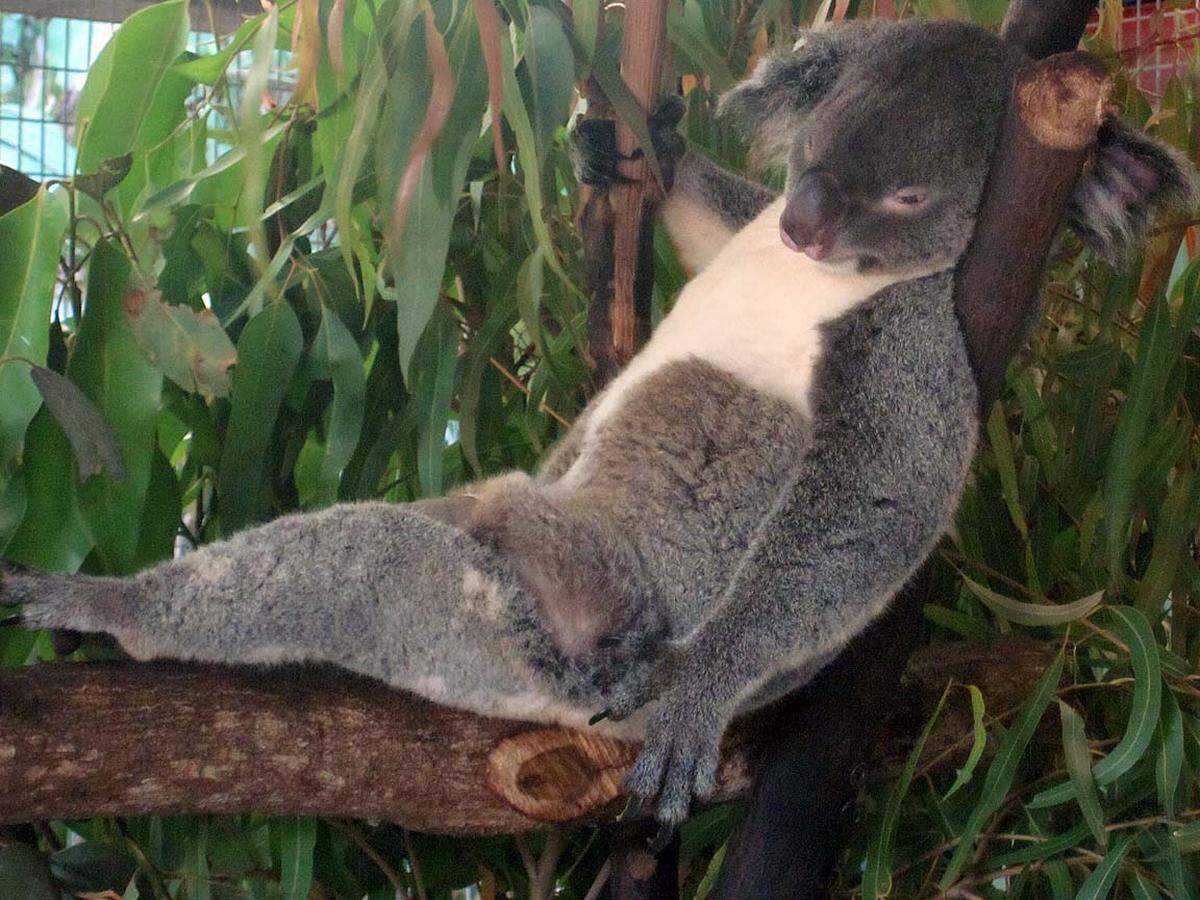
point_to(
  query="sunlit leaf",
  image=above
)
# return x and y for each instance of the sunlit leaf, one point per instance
(30, 238)
(188, 347)
(1041, 614)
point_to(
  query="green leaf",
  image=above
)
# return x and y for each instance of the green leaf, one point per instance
(530, 285)
(686, 30)
(1100, 882)
(518, 118)
(877, 876)
(433, 373)
(297, 840)
(1187, 837)
(551, 74)
(336, 356)
(92, 440)
(978, 742)
(1033, 613)
(93, 866)
(161, 516)
(24, 875)
(110, 368)
(1168, 757)
(268, 351)
(111, 173)
(209, 69)
(1146, 705)
(1003, 769)
(1079, 766)
(30, 239)
(1154, 361)
(502, 314)
(122, 82)
(53, 535)
(1141, 888)
(189, 347)
(1001, 442)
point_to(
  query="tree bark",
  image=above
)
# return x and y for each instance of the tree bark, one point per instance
(617, 223)
(121, 739)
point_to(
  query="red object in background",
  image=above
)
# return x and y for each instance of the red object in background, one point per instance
(1158, 41)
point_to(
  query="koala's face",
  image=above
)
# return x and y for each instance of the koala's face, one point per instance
(887, 132)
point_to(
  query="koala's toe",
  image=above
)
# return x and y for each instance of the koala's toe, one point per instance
(675, 797)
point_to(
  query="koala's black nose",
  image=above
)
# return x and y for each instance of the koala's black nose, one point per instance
(816, 206)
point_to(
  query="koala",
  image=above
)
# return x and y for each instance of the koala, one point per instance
(746, 496)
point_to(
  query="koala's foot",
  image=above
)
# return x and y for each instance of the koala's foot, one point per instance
(678, 762)
(65, 603)
(594, 145)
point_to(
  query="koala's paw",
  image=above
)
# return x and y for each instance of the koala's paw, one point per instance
(594, 145)
(52, 600)
(678, 762)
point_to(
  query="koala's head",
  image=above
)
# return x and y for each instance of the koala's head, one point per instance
(887, 132)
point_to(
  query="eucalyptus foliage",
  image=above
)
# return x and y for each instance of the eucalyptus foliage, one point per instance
(246, 304)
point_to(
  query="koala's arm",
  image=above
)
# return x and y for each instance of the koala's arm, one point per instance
(705, 204)
(867, 504)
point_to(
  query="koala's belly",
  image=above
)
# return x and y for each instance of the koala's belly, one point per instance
(686, 470)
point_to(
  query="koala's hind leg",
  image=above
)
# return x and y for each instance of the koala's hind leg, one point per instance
(584, 578)
(381, 589)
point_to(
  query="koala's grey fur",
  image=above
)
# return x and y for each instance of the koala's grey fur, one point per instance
(701, 543)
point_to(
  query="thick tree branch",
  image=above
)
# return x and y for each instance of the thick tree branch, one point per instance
(119, 739)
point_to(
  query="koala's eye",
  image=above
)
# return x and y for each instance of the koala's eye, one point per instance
(907, 200)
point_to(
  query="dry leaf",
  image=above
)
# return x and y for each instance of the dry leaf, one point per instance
(441, 98)
(490, 28)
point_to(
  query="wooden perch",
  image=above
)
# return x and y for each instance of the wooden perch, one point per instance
(120, 739)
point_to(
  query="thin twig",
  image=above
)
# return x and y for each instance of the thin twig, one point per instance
(394, 878)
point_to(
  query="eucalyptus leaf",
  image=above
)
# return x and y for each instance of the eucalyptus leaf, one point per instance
(92, 440)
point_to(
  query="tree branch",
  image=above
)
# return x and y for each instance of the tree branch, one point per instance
(121, 739)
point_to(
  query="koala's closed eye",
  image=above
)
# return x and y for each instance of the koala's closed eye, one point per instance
(1131, 178)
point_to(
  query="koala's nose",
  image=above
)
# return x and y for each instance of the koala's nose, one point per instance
(816, 206)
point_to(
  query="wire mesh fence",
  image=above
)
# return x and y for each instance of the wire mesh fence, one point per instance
(43, 65)
(1157, 40)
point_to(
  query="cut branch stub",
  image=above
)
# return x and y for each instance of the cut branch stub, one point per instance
(555, 775)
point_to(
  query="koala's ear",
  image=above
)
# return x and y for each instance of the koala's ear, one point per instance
(782, 88)
(1132, 178)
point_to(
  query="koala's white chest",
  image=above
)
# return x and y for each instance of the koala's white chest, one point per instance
(755, 312)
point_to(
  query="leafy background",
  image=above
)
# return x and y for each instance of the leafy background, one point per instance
(372, 289)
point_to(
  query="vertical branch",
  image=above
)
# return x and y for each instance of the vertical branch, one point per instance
(615, 223)
(642, 41)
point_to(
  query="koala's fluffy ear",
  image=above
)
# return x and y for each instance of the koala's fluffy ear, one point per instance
(1132, 178)
(782, 88)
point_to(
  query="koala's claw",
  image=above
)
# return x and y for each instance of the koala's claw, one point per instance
(678, 763)
(594, 145)
(600, 716)
(662, 838)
